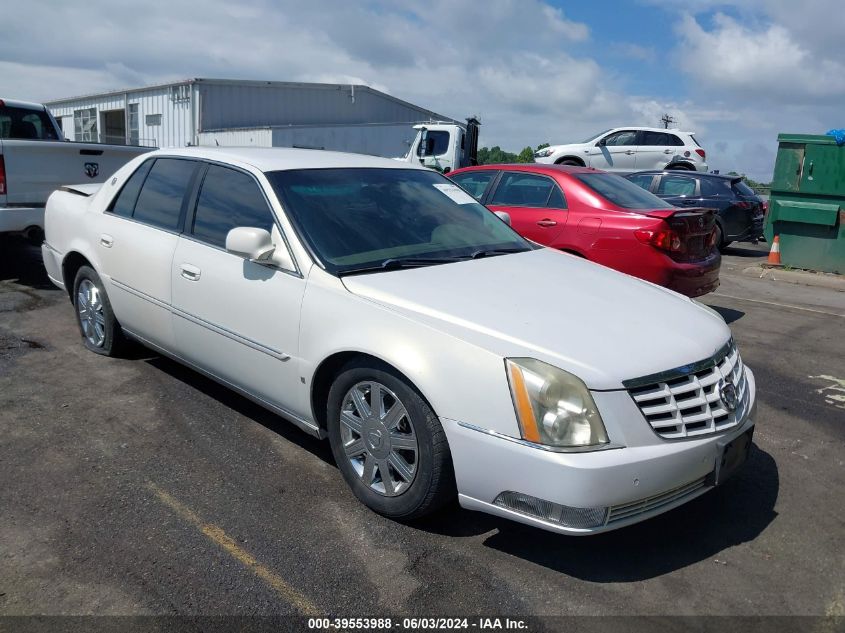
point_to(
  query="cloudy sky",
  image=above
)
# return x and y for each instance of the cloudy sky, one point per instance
(736, 73)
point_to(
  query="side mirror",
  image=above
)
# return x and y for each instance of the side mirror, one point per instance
(504, 216)
(251, 243)
(602, 142)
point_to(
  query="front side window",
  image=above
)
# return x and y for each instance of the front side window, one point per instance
(228, 199)
(523, 190)
(475, 182)
(85, 125)
(676, 186)
(357, 220)
(627, 137)
(161, 197)
(436, 143)
(621, 192)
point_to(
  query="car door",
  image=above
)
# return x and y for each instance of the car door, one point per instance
(136, 238)
(615, 152)
(235, 318)
(535, 203)
(656, 149)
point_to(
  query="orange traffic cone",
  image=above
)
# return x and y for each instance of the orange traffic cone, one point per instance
(774, 254)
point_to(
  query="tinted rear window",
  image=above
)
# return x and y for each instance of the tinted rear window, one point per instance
(623, 193)
(160, 201)
(26, 124)
(743, 189)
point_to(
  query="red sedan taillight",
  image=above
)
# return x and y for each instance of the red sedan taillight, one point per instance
(664, 239)
(2, 176)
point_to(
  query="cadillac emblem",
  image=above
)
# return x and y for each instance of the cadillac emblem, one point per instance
(729, 395)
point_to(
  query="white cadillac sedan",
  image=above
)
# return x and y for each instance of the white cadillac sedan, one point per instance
(375, 303)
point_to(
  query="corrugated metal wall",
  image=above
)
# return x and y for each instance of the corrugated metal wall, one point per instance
(175, 127)
(249, 137)
(236, 105)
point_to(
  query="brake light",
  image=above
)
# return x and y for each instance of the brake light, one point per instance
(701, 153)
(2, 176)
(664, 239)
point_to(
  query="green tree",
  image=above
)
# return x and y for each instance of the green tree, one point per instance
(526, 156)
(542, 145)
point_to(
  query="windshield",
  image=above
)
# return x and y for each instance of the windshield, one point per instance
(621, 192)
(354, 219)
(595, 136)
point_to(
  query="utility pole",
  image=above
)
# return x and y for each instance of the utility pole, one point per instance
(666, 119)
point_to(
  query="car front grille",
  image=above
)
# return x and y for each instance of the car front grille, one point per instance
(634, 508)
(695, 400)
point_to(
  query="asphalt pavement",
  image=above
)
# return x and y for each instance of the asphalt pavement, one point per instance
(136, 486)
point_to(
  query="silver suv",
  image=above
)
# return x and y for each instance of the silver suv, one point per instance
(630, 149)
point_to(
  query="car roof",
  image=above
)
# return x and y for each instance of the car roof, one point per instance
(285, 158)
(29, 105)
(649, 129)
(685, 172)
(537, 168)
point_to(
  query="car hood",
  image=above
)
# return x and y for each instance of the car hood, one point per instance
(599, 324)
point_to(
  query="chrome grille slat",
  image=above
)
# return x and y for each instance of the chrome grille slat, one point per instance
(690, 405)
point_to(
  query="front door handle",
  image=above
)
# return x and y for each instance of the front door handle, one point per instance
(106, 240)
(191, 273)
(630, 151)
(667, 151)
(546, 222)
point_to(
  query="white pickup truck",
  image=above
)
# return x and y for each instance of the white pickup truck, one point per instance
(35, 160)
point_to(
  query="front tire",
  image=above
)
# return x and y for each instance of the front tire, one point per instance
(388, 443)
(98, 327)
(570, 162)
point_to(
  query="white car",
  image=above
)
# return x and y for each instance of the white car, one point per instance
(628, 149)
(377, 304)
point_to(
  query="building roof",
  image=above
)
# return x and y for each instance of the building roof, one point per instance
(246, 82)
(284, 158)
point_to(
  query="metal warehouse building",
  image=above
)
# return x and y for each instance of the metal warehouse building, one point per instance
(239, 112)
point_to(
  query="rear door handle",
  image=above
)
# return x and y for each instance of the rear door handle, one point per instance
(106, 240)
(546, 222)
(630, 151)
(667, 151)
(191, 273)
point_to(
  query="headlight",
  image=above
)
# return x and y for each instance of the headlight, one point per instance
(542, 153)
(553, 407)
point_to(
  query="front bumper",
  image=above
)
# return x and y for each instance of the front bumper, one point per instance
(647, 473)
(16, 219)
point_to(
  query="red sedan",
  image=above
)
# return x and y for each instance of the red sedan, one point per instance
(604, 218)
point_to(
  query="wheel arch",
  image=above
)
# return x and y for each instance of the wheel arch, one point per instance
(577, 159)
(680, 166)
(72, 262)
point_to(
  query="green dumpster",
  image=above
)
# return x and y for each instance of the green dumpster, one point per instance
(807, 203)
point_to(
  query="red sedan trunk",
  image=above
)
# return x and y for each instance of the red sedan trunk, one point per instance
(605, 219)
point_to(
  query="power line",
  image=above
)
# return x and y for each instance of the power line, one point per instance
(666, 119)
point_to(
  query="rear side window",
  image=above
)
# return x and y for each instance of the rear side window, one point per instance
(124, 203)
(475, 182)
(676, 186)
(161, 197)
(523, 190)
(228, 199)
(743, 189)
(660, 138)
(642, 180)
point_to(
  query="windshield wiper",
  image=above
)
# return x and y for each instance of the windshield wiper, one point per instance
(395, 263)
(492, 252)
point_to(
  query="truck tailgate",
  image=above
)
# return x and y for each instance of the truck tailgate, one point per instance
(34, 168)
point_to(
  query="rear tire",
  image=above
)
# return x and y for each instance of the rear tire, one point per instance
(98, 326)
(720, 239)
(388, 443)
(571, 162)
(679, 167)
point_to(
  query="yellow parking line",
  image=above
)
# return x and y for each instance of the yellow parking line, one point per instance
(218, 536)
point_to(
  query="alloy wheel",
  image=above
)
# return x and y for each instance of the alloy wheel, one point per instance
(378, 438)
(89, 307)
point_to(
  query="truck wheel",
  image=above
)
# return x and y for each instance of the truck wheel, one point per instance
(388, 443)
(100, 331)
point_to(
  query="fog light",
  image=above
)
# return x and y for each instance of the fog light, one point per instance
(579, 518)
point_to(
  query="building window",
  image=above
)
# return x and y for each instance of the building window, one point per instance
(152, 120)
(132, 114)
(85, 125)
